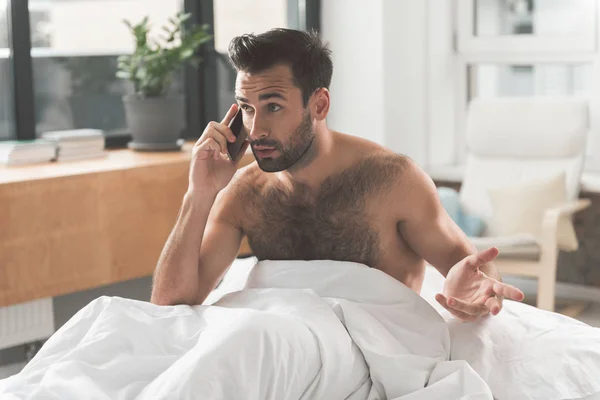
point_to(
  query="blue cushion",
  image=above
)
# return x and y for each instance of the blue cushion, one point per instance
(471, 225)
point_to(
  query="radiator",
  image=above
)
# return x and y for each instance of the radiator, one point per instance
(26, 322)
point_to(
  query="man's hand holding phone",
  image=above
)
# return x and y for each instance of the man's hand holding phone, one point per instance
(212, 167)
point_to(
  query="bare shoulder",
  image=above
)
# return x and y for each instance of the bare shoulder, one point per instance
(406, 181)
(375, 158)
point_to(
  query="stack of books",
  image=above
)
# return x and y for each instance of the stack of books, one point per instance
(22, 152)
(77, 144)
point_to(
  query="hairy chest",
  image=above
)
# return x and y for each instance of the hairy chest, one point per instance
(338, 222)
(295, 229)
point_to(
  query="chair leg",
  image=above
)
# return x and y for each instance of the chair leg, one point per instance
(546, 289)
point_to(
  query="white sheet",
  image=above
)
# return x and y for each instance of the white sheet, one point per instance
(310, 330)
(116, 348)
(525, 353)
(522, 353)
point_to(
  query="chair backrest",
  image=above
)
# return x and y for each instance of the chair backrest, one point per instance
(518, 140)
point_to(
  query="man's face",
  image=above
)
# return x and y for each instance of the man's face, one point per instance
(280, 129)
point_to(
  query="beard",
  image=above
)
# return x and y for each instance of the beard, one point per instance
(300, 142)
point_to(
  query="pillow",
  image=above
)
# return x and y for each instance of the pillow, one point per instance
(520, 209)
(471, 225)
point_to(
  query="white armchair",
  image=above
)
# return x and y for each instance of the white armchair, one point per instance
(526, 152)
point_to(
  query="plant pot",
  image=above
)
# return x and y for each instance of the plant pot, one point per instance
(155, 123)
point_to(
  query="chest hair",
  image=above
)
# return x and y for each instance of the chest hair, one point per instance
(335, 223)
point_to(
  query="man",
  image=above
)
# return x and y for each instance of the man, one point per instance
(313, 193)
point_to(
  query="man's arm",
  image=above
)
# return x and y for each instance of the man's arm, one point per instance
(473, 287)
(202, 245)
(200, 248)
(220, 246)
(427, 227)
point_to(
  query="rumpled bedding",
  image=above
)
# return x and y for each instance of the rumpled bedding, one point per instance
(312, 330)
(297, 330)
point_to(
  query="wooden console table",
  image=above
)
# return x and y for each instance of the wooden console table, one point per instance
(72, 226)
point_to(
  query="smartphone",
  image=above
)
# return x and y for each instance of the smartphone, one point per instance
(237, 127)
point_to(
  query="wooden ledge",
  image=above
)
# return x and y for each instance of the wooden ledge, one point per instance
(115, 160)
(72, 226)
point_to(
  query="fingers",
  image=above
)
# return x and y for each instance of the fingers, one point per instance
(230, 114)
(219, 133)
(219, 139)
(508, 291)
(223, 130)
(482, 257)
(210, 148)
(475, 310)
(207, 149)
(494, 304)
(461, 315)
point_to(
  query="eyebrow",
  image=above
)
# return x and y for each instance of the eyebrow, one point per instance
(263, 96)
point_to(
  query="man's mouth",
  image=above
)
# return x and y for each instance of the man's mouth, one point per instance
(264, 151)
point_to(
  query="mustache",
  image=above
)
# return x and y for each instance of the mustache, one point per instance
(265, 143)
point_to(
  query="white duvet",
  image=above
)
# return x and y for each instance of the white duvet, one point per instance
(297, 330)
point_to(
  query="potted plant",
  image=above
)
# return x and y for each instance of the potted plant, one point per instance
(155, 118)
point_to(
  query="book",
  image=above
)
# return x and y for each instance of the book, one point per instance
(74, 135)
(77, 144)
(82, 144)
(26, 151)
(25, 144)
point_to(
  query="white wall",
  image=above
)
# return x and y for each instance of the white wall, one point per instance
(393, 69)
(441, 132)
(354, 31)
(405, 67)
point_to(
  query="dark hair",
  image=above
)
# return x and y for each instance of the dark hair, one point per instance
(307, 56)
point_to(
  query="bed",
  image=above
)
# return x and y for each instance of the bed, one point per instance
(311, 330)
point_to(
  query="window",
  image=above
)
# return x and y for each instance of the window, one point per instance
(524, 26)
(74, 49)
(525, 48)
(58, 71)
(6, 92)
(529, 17)
(236, 17)
(497, 80)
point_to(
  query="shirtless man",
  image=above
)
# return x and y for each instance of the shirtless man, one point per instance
(313, 193)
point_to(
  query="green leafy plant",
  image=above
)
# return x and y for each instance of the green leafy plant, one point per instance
(151, 66)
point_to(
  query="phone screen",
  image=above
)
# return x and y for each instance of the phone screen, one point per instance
(237, 127)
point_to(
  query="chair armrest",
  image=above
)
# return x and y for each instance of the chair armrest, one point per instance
(552, 218)
(570, 208)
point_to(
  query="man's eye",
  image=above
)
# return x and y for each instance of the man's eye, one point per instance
(246, 107)
(274, 107)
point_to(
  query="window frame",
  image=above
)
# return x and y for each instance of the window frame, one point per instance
(200, 84)
(22, 70)
(303, 14)
(470, 50)
(6, 55)
(468, 42)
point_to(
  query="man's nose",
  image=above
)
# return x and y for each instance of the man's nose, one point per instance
(258, 130)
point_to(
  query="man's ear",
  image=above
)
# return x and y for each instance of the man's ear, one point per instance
(320, 101)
